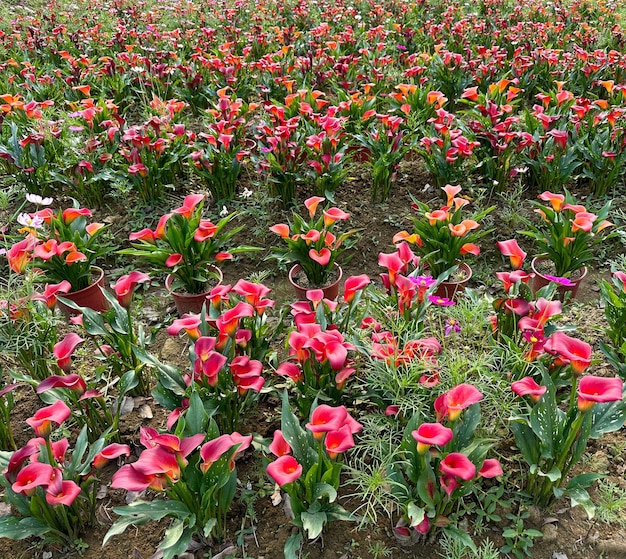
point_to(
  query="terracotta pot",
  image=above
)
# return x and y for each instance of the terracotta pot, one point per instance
(191, 302)
(91, 296)
(540, 280)
(330, 291)
(360, 154)
(450, 289)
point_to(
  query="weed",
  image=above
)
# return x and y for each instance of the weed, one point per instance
(519, 540)
(611, 503)
(379, 550)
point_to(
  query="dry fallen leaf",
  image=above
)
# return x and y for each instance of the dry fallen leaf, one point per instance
(276, 497)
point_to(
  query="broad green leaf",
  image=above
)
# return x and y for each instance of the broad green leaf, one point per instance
(296, 436)
(177, 539)
(142, 512)
(578, 496)
(542, 423)
(313, 523)
(324, 490)
(209, 526)
(416, 514)
(21, 528)
(526, 441)
(196, 417)
(93, 323)
(465, 538)
(128, 381)
(606, 418)
(293, 545)
(583, 480)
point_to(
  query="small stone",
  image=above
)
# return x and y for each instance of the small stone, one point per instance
(612, 546)
(534, 515)
(145, 412)
(558, 555)
(171, 350)
(550, 533)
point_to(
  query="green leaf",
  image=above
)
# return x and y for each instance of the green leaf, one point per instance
(21, 528)
(142, 512)
(313, 523)
(209, 526)
(416, 514)
(292, 546)
(177, 539)
(128, 381)
(196, 417)
(296, 436)
(578, 496)
(583, 480)
(324, 490)
(94, 323)
(542, 423)
(606, 418)
(465, 538)
(526, 441)
(553, 475)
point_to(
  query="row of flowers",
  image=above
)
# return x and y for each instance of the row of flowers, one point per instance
(560, 139)
(437, 457)
(301, 99)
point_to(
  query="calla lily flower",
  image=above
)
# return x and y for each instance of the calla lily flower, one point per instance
(64, 349)
(338, 441)
(312, 203)
(284, 470)
(456, 400)
(32, 476)
(593, 390)
(190, 323)
(74, 382)
(60, 491)
(491, 468)
(511, 249)
(528, 387)
(49, 295)
(110, 452)
(42, 421)
(458, 465)
(125, 286)
(570, 351)
(279, 446)
(326, 418)
(428, 434)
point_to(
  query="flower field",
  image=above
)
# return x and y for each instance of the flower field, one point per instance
(325, 279)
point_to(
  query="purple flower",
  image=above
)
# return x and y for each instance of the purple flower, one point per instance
(440, 301)
(452, 325)
(423, 281)
(562, 281)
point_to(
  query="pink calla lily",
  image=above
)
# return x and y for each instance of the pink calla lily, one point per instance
(284, 470)
(64, 349)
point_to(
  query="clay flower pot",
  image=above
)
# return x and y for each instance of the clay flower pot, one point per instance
(450, 289)
(91, 296)
(330, 291)
(191, 302)
(541, 280)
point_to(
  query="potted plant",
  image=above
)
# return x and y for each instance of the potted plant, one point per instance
(443, 237)
(565, 236)
(312, 247)
(64, 248)
(187, 248)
